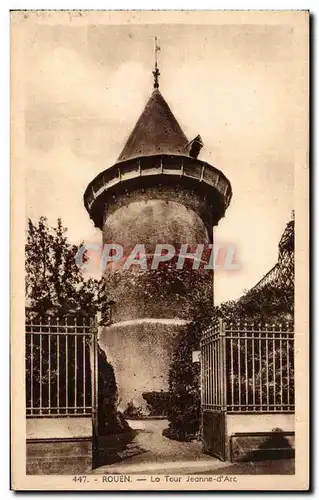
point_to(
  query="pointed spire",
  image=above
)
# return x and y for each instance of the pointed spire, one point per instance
(156, 132)
(156, 72)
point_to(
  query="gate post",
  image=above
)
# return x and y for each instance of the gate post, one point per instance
(222, 367)
(214, 391)
(223, 388)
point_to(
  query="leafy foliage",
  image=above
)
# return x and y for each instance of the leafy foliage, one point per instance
(271, 304)
(55, 285)
(185, 287)
(184, 383)
(157, 402)
(132, 411)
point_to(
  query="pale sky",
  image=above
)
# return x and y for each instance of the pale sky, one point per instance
(85, 87)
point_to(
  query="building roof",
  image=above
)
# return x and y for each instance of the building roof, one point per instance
(156, 131)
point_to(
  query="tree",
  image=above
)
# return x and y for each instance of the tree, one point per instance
(55, 284)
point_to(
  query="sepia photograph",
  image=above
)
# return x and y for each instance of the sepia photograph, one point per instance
(159, 214)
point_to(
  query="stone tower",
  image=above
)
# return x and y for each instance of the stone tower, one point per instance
(158, 192)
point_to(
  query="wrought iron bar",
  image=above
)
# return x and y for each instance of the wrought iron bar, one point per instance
(253, 361)
(239, 371)
(40, 374)
(246, 367)
(32, 372)
(58, 369)
(84, 372)
(232, 370)
(75, 368)
(274, 368)
(267, 375)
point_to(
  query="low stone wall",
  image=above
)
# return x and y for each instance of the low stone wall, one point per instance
(262, 446)
(248, 436)
(260, 436)
(59, 456)
(59, 445)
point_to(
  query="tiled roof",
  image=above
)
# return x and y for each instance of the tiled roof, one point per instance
(156, 131)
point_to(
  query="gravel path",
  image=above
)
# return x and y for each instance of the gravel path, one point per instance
(151, 450)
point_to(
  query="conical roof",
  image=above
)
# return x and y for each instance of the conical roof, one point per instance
(156, 132)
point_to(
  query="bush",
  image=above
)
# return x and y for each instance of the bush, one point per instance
(132, 411)
(184, 386)
(157, 402)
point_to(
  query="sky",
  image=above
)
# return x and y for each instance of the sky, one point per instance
(86, 85)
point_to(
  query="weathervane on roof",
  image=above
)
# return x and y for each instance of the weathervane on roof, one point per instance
(156, 72)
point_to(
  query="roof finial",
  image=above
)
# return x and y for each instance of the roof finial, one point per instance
(156, 72)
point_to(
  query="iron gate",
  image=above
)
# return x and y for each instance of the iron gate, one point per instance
(60, 367)
(213, 382)
(245, 368)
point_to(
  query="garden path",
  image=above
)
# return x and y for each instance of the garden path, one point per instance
(151, 451)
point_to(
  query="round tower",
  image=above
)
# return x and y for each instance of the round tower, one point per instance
(157, 193)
